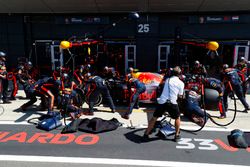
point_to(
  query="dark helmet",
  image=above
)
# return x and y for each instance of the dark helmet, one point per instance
(88, 66)
(2, 54)
(242, 59)
(29, 64)
(225, 66)
(194, 88)
(196, 63)
(88, 75)
(106, 68)
(65, 76)
(81, 68)
(20, 67)
(130, 69)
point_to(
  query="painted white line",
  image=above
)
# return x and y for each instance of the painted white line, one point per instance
(190, 127)
(107, 161)
(14, 123)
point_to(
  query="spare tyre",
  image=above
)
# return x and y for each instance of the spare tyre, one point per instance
(211, 99)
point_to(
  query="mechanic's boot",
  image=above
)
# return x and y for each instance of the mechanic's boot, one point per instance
(6, 102)
(245, 110)
(113, 110)
(125, 116)
(177, 138)
(223, 116)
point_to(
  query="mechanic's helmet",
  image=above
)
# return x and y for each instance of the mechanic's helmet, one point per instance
(20, 67)
(29, 64)
(196, 63)
(88, 66)
(81, 68)
(65, 76)
(130, 69)
(225, 66)
(242, 59)
(195, 88)
(58, 68)
(88, 74)
(2, 54)
(106, 68)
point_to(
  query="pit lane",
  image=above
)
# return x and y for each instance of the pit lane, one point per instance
(204, 147)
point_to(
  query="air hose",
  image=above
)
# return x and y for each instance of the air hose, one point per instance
(210, 117)
(205, 114)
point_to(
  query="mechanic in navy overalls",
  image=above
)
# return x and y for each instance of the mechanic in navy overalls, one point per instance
(98, 86)
(38, 89)
(134, 98)
(199, 69)
(80, 73)
(193, 109)
(242, 66)
(217, 85)
(4, 84)
(232, 82)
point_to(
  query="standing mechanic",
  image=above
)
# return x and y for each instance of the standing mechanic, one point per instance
(173, 88)
(3, 79)
(199, 69)
(242, 66)
(97, 87)
(139, 87)
(232, 82)
(217, 85)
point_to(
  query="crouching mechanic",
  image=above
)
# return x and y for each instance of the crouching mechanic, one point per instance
(134, 98)
(173, 89)
(217, 85)
(193, 109)
(68, 106)
(98, 86)
(40, 88)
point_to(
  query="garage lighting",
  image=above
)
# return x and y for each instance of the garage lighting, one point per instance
(133, 15)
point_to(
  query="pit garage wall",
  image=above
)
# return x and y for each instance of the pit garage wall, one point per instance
(12, 38)
(18, 32)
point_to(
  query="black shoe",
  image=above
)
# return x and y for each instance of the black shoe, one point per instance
(6, 102)
(223, 116)
(136, 107)
(145, 138)
(177, 138)
(12, 98)
(126, 116)
(245, 111)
